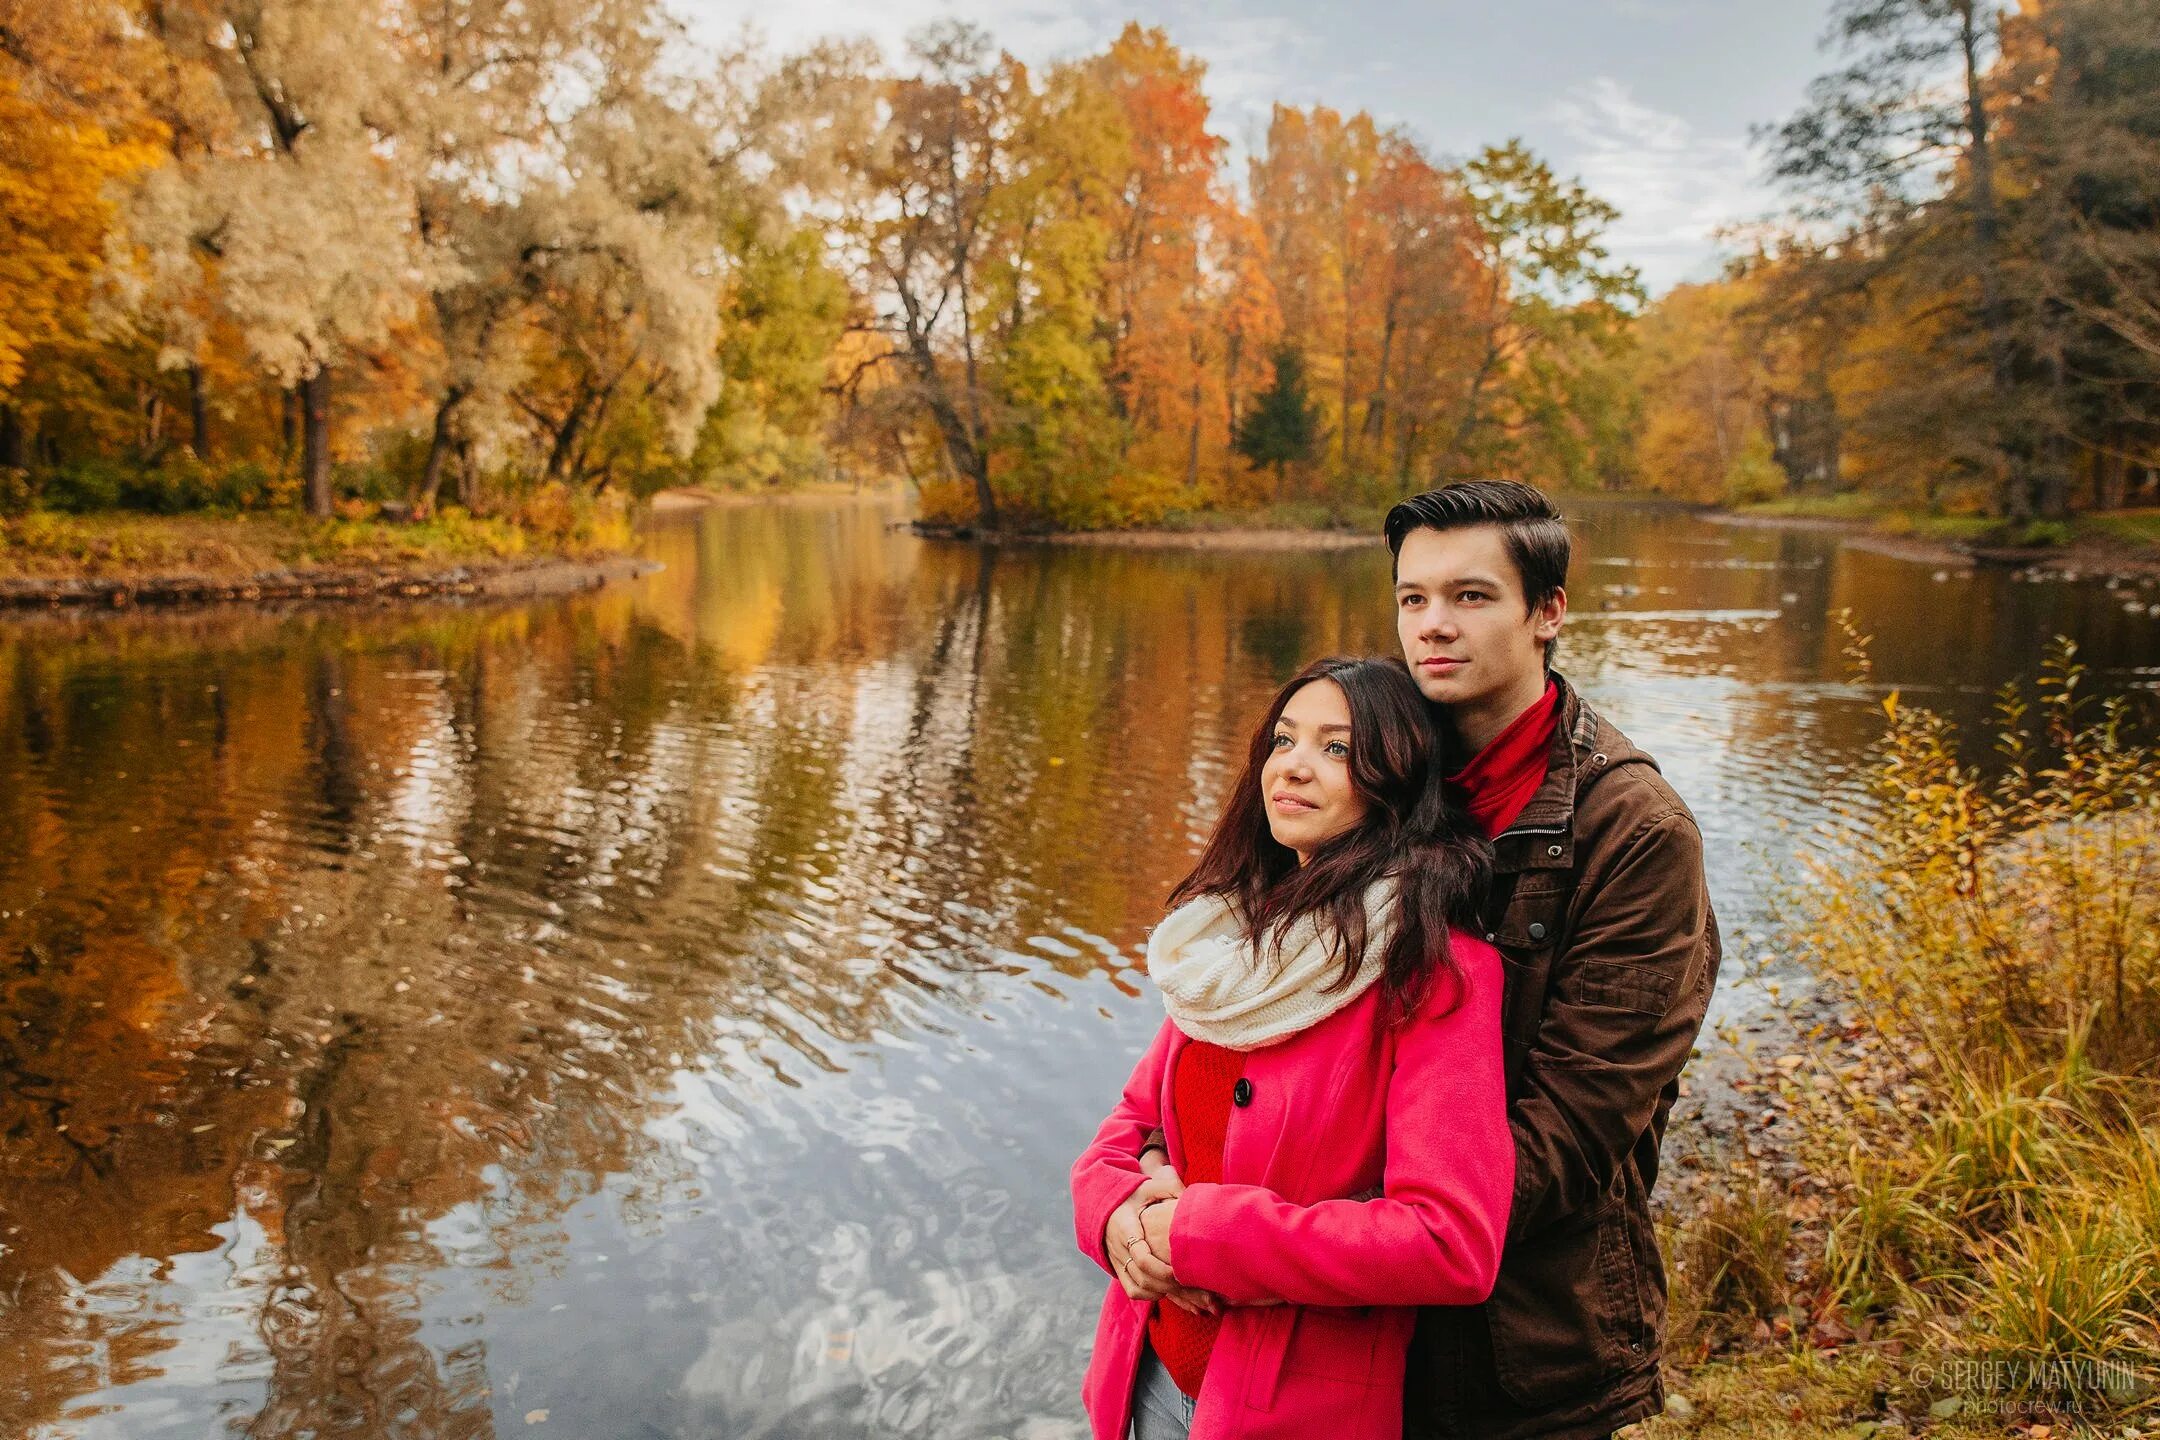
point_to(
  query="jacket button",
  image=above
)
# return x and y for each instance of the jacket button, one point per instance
(1490, 937)
(1553, 850)
(1597, 759)
(1241, 1093)
(1537, 931)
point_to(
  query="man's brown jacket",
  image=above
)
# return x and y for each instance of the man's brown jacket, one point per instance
(1600, 910)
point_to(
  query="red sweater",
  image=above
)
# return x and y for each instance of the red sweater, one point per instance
(1201, 1089)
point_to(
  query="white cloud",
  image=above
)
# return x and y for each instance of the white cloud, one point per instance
(1252, 60)
(1674, 186)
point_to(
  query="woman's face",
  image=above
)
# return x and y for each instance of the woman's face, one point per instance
(1305, 783)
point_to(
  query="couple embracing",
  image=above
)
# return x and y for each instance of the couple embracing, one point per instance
(1386, 1167)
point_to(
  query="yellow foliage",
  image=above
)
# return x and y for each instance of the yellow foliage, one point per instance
(53, 217)
(948, 502)
(1702, 428)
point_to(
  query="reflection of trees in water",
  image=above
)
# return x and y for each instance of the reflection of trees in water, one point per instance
(239, 974)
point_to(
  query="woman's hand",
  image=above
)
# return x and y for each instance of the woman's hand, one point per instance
(1155, 1230)
(1140, 1269)
(1155, 1221)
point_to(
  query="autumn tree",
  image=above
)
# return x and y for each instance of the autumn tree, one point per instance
(72, 122)
(1415, 300)
(1182, 291)
(1706, 397)
(783, 312)
(918, 219)
(305, 207)
(2082, 229)
(1306, 188)
(1908, 168)
(1553, 307)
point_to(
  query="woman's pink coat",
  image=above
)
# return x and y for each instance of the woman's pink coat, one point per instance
(1349, 1104)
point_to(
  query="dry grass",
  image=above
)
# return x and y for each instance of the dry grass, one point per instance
(1975, 1228)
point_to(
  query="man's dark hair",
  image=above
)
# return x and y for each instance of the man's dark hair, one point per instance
(1536, 534)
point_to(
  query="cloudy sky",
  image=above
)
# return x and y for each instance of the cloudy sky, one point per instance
(1647, 101)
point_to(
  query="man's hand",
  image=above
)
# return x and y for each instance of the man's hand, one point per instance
(1144, 1276)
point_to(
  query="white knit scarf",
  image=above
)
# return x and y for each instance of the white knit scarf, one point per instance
(1218, 990)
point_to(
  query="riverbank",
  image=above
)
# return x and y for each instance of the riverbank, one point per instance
(2120, 543)
(1943, 1216)
(118, 560)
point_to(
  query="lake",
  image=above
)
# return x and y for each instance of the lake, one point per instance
(671, 1010)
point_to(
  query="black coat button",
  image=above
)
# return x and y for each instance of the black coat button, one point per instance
(1241, 1093)
(1537, 931)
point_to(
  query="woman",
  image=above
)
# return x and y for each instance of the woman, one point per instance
(1333, 1032)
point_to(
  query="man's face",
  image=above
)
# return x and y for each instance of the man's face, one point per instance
(1467, 633)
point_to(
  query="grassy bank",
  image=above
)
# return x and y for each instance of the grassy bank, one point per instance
(2101, 536)
(1962, 1234)
(243, 547)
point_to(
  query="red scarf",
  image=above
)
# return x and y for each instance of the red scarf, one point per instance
(1501, 778)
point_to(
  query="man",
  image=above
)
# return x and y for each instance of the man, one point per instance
(1601, 911)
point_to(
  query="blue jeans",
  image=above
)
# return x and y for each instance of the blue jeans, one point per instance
(1161, 1411)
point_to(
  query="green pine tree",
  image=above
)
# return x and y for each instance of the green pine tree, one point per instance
(1284, 423)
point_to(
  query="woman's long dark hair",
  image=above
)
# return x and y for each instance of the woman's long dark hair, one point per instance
(1442, 863)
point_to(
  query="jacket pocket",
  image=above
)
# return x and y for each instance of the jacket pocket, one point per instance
(1565, 1313)
(1269, 1338)
(1640, 989)
(1334, 1344)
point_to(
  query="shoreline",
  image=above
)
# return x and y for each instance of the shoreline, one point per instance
(1256, 538)
(2083, 556)
(516, 579)
(689, 499)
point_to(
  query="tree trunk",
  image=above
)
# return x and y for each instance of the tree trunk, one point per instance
(967, 457)
(1192, 438)
(2017, 483)
(2051, 471)
(198, 413)
(468, 477)
(2113, 471)
(1231, 352)
(315, 441)
(438, 450)
(288, 424)
(1376, 414)
(13, 452)
(1459, 446)
(566, 436)
(1345, 387)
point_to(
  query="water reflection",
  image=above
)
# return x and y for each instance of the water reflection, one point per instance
(671, 1011)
